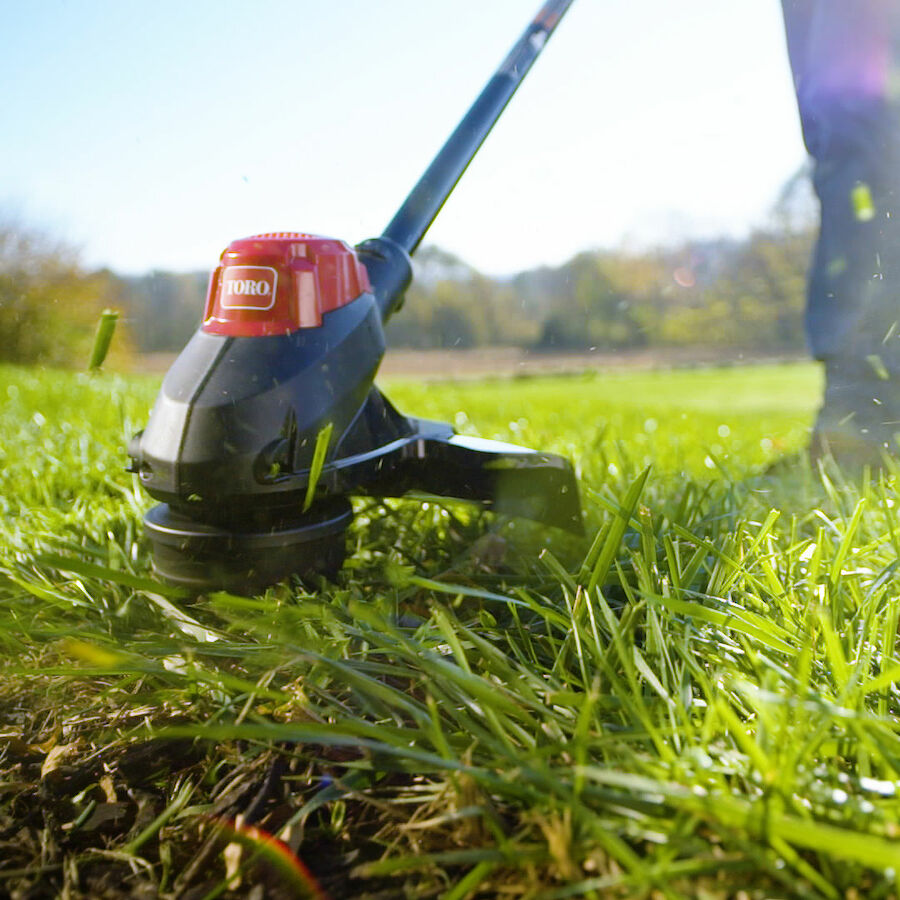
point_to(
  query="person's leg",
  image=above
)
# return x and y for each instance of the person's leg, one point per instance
(843, 57)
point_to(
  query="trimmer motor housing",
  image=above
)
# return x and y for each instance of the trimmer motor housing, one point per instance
(269, 420)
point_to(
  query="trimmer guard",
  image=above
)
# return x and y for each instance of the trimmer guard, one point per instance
(430, 458)
(507, 479)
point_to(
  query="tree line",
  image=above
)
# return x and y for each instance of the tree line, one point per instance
(49, 304)
(738, 294)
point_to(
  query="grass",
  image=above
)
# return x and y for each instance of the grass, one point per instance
(699, 701)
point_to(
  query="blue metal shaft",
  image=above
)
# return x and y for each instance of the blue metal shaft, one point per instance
(424, 202)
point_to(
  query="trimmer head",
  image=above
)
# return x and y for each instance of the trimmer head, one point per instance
(269, 419)
(250, 556)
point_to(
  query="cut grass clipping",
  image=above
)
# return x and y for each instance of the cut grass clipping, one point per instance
(106, 327)
(700, 700)
(323, 439)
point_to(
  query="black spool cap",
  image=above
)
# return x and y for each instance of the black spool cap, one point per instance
(204, 557)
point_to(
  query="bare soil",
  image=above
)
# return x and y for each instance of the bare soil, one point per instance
(515, 361)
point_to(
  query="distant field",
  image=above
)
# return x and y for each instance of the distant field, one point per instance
(699, 700)
(513, 361)
(684, 419)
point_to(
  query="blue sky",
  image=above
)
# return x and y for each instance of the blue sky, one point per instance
(152, 134)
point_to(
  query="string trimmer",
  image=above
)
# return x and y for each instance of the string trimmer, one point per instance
(269, 420)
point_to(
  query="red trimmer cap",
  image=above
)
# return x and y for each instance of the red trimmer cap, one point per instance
(275, 283)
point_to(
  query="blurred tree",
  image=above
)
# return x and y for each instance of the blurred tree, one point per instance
(49, 306)
(754, 300)
(164, 308)
(593, 309)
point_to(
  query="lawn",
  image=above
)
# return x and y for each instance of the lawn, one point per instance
(698, 701)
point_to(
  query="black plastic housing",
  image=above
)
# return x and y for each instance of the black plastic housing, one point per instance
(239, 417)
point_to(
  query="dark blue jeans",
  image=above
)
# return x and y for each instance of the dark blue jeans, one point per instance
(844, 56)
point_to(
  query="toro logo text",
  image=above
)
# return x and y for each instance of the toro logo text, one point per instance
(248, 287)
